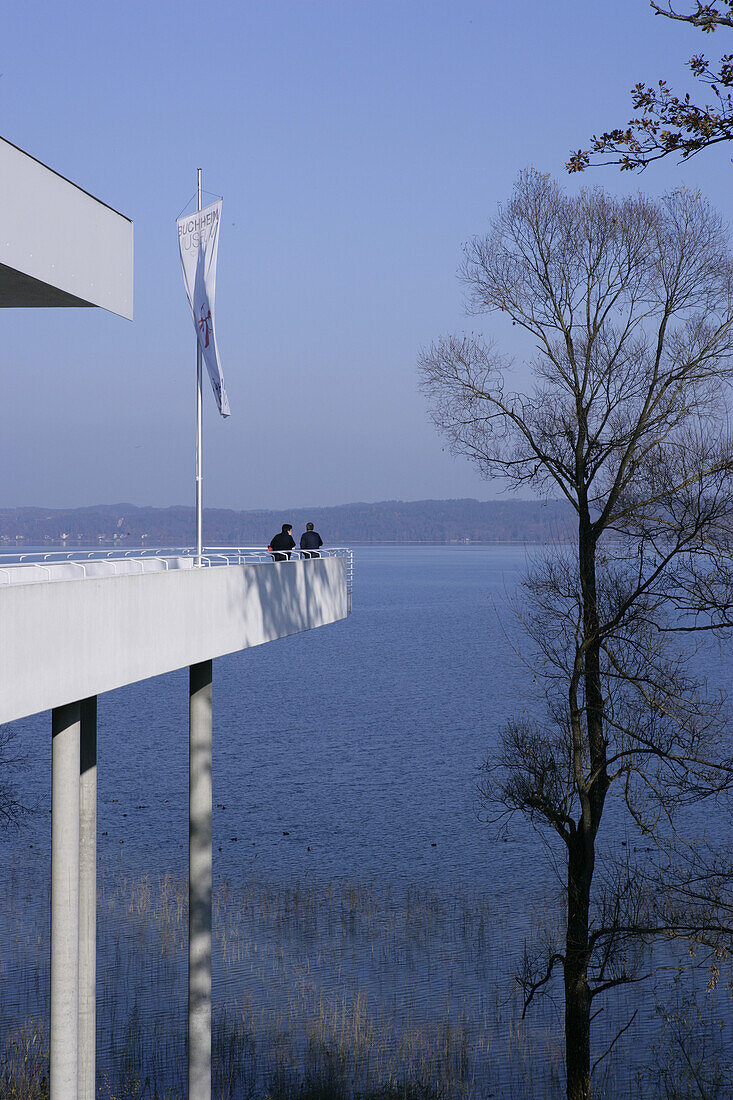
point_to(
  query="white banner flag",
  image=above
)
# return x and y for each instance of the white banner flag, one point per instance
(198, 241)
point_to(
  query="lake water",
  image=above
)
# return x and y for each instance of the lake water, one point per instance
(360, 740)
(353, 872)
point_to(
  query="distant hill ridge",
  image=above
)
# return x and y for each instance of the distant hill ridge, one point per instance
(390, 521)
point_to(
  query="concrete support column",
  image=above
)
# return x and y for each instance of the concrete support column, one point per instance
(88, 899)
(199, 881)
(66, 722)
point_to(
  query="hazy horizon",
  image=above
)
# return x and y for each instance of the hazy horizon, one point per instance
(506, 498)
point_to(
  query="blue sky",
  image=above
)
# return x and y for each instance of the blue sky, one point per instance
(357, 144)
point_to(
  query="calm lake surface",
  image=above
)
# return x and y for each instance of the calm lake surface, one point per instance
(350, 859)
(360, 740)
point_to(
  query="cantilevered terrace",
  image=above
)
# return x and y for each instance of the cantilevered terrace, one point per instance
(75, 626)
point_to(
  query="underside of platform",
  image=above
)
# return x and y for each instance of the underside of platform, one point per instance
(59, 246)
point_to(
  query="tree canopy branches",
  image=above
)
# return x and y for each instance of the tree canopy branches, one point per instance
(665, 122)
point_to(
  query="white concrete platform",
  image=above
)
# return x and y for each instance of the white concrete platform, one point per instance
(66, 638)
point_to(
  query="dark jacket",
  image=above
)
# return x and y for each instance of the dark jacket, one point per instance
(310, 540)
(282, 541)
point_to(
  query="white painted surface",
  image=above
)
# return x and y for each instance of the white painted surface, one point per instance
(200, 877)
(66, 640)
(39, 572)
(87, 1039)
(54, 232)
(64, 1043)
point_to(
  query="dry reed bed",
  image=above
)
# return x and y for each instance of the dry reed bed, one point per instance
(329, 989)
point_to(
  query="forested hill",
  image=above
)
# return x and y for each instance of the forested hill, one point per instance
(392, 521)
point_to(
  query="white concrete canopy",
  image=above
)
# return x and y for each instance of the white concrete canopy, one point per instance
(59, 246)
(66, 640)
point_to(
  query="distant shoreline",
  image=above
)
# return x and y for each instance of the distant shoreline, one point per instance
(464, 522)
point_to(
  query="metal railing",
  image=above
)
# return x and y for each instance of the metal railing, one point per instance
(39, 565)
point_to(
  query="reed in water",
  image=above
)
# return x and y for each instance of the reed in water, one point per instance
(341, 990)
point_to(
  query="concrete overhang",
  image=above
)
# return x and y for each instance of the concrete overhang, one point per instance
(66, 640)
(59, 246)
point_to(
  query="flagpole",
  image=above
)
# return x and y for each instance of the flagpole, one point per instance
(199, 433)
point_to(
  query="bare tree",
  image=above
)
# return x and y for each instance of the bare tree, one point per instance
(12, 809)
(668, 123)
(630, 304)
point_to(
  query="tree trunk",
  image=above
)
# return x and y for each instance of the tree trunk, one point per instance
(577, 993)
(581, 847)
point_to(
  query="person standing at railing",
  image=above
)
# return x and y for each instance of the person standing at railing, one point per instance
(310, 540)
(282, 542)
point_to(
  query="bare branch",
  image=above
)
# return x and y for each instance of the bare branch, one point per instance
(613, 1042)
